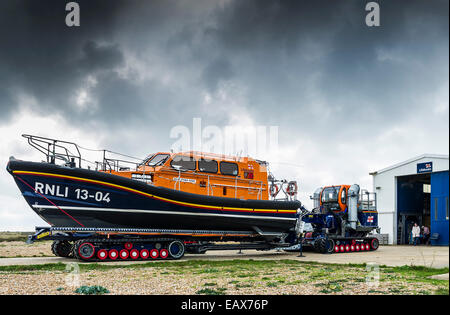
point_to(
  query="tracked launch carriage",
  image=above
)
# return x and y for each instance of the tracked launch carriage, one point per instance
(166, 204)
(342, 218)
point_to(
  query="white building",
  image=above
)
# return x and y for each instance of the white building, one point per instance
(415, 190)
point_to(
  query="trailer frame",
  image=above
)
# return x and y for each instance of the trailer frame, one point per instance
(194, 241)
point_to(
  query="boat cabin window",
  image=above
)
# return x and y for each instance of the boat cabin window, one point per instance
(157, 159)
(207, 166)
(184, 163)
(227, 168)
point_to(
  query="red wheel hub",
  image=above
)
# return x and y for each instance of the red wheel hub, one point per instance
(367, 247)
(163, 253)
(144, 253)
(352, 248)
(363, 247)
(86, 250)
(336, 249)
(102, 254)
(154, 253)
(357, 247)
(347, 248)
(134, 253)
(342, 248)
(124, 254)
(128, 245)
(113, 254)
(374, 244)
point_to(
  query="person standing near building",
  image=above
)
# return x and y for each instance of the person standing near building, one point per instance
(426, 234)
(415, 233)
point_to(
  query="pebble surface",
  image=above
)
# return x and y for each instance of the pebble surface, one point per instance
(192, 280)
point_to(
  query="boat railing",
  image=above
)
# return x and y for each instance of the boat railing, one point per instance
(368, 201)
(282, 193)
(70, 154)
(55, 149)
(116, 165)
(260, 190)
(210, 187)
(209, 155)
(177, 181)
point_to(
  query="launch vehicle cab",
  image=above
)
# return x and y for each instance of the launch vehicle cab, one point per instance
(334, 198)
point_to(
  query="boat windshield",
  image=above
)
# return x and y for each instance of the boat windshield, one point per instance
(158, 159)
(330, 194)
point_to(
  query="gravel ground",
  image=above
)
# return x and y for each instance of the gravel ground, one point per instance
(237, 277)
(218, 273)
(21, 249)
(429, 256)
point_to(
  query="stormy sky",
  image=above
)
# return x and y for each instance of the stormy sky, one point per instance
(347, 98)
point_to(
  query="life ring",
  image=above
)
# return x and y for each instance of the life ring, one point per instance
(274, 190)
(292, 188)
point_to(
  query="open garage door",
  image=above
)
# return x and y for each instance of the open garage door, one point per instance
(413, 204)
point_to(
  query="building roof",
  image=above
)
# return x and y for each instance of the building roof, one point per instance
(423, 156)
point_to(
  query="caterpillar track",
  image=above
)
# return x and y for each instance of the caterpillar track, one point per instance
(123, 249)
(344, 245)
(110, 244)
(354, 245)
(62, 248)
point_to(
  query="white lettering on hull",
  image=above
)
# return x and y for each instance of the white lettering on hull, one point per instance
(52, 190)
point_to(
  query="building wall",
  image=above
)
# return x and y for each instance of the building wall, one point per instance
(385, 185)
(439, 207)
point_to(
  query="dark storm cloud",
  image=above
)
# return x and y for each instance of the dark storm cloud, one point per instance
(217, 71)
(273, 25)
(283, 45)
(314, 62)
(42, 57)
(100, 57)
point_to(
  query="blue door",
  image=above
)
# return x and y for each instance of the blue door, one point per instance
(439, 207)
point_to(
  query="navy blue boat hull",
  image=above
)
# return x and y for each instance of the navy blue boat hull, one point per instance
(75, 197)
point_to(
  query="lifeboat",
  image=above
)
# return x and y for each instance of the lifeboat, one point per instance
(186, 191)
